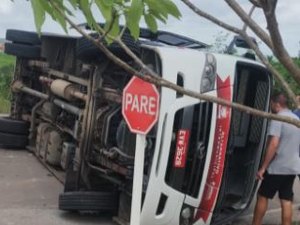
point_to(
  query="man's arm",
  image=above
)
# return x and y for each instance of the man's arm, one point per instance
(271, 151)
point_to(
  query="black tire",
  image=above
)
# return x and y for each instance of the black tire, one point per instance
(8, 125)
(22, 51)
(86, 51)
(88, 201)
(13, 141)
(23, 37)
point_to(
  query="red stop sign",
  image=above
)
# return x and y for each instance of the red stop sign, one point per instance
(140, 105)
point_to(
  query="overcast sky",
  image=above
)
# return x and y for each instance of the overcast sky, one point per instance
(18, 15)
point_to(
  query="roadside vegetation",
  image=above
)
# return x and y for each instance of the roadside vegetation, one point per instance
(286, 75)
(6, 71)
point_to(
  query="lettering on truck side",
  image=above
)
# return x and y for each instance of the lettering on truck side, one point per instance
(181, 148)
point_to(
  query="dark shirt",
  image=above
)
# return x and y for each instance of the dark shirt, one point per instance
(297, 112)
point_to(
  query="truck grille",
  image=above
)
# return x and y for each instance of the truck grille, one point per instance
(197, 121)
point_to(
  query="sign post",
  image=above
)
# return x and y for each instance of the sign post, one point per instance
(140, 107)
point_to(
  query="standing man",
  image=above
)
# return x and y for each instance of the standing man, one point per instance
(281, 163)
(297, 112)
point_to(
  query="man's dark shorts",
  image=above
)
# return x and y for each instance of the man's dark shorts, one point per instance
(283, 184)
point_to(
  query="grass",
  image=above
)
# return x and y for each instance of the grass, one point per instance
(4, 105)
(7, 63)
(6, 60)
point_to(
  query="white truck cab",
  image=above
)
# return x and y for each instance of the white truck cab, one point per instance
(206, 155)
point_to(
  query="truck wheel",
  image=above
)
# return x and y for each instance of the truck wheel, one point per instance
(86, 51)
(8, 125)
(13, 141)
(22, 51)
(23, 37)
(88, 201)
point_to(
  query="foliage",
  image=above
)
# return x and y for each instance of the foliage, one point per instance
(6, 60)
(6, 72)
(5, 80)
(220, 43)
(132, 11)
(286, 75)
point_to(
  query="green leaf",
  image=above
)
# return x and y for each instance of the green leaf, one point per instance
(151, 22)
(55, 15)
(171, 8)
(105, 7)
(133, 17)
(157, 7)
(158, 16)
(60, 4)
(74, 3)
(112, 28)
(115, 30)
(85, 7)
(61, 20)
(47, 7)
(134, 28)
(136, 10)
(39, 14)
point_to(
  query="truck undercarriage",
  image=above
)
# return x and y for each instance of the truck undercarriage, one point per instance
(71, 96)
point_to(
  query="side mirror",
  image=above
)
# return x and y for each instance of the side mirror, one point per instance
(238, 46)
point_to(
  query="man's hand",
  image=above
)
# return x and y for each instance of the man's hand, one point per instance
(260, 174)
(273, 143)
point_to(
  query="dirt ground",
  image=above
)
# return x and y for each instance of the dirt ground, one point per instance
(29, 196)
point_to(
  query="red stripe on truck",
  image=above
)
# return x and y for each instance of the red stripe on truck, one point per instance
(216, 167)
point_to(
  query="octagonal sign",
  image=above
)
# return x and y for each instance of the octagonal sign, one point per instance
(140, 105)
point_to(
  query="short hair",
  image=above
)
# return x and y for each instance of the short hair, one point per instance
(279, 98)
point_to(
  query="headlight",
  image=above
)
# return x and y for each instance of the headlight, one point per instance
(209, 74)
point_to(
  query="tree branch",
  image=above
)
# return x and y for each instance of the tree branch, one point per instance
(249, 15)
(269, 6)
(156, 79)
(234, 105)
(256, 3)
(279, 49)
(251, 23)
(210, 17)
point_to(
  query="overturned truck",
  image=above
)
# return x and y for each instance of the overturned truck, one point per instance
(201, 158)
